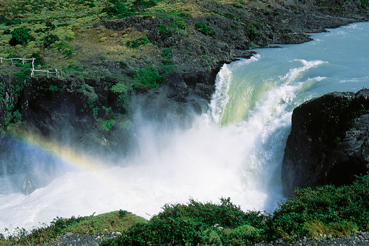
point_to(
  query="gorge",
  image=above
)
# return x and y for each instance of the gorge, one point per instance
(233, 149)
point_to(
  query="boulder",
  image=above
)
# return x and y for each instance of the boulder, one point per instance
(329, 141)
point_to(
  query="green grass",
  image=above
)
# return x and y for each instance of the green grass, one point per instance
(204, 28)
(109, 222)
(135, 44)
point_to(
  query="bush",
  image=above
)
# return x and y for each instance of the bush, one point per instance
(364, 3)
(108, 124)
(231, 17)
(21, 36)
(89, 3)
(13, 116)
(166, 54)
(326, 204)
(203, 27)
(145, 4)
(253, 34)
(49, 40)
(135, 44)
(118, 9)
(148, 78)
(181, 24)
(195, 224)
(39, 60)
(164, 31)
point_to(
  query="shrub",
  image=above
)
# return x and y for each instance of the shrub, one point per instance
(327, 204)
(21, 76)
(13, 116)
(195, 224)
(181, 24)
(108, 124)
(148, 78)
(118, 9)
(49, 40)
(89, 3)
(364, 3)
(203, 27)
(164, 31)
(21, 36)
(145, 4)
(231, 17)
(39, 60)
(253, 34)
(135, 44)
(166, 54)
(123, 213)
(169, 69)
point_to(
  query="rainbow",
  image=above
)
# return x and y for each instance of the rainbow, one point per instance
(71, 157)
(67, 154)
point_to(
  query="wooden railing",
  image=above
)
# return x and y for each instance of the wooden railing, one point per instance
(57, 72)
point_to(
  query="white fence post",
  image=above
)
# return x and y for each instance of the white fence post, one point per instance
(33, 66)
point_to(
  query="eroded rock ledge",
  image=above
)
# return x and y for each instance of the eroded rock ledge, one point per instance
(329, 141)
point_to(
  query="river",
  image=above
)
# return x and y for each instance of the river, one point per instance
(235, 149)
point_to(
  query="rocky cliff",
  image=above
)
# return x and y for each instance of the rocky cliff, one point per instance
(329, 141)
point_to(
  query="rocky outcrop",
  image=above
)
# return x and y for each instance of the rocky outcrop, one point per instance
(8, 98)
(329, 141)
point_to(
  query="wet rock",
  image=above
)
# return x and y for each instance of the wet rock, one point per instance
(329, 141)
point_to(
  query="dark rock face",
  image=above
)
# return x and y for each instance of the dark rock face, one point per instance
(329, 141)
(7, 97)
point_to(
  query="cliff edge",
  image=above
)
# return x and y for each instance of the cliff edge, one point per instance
(329, 141)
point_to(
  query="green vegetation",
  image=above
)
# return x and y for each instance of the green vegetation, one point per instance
(164, 31)
(253, 34)
(316, 228)
(167, 64)
(135, 44)
(195, 224)
(21, 36)
(364, 4)
(12, 116)
(53, 88)
(108, 124)
(231, 17)
(148, 78)
(324, 210)
(203, 27)
(180, 23)
(39, 60)
(118, 9)
(49, 40)
(166, 54)
(109, 222)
